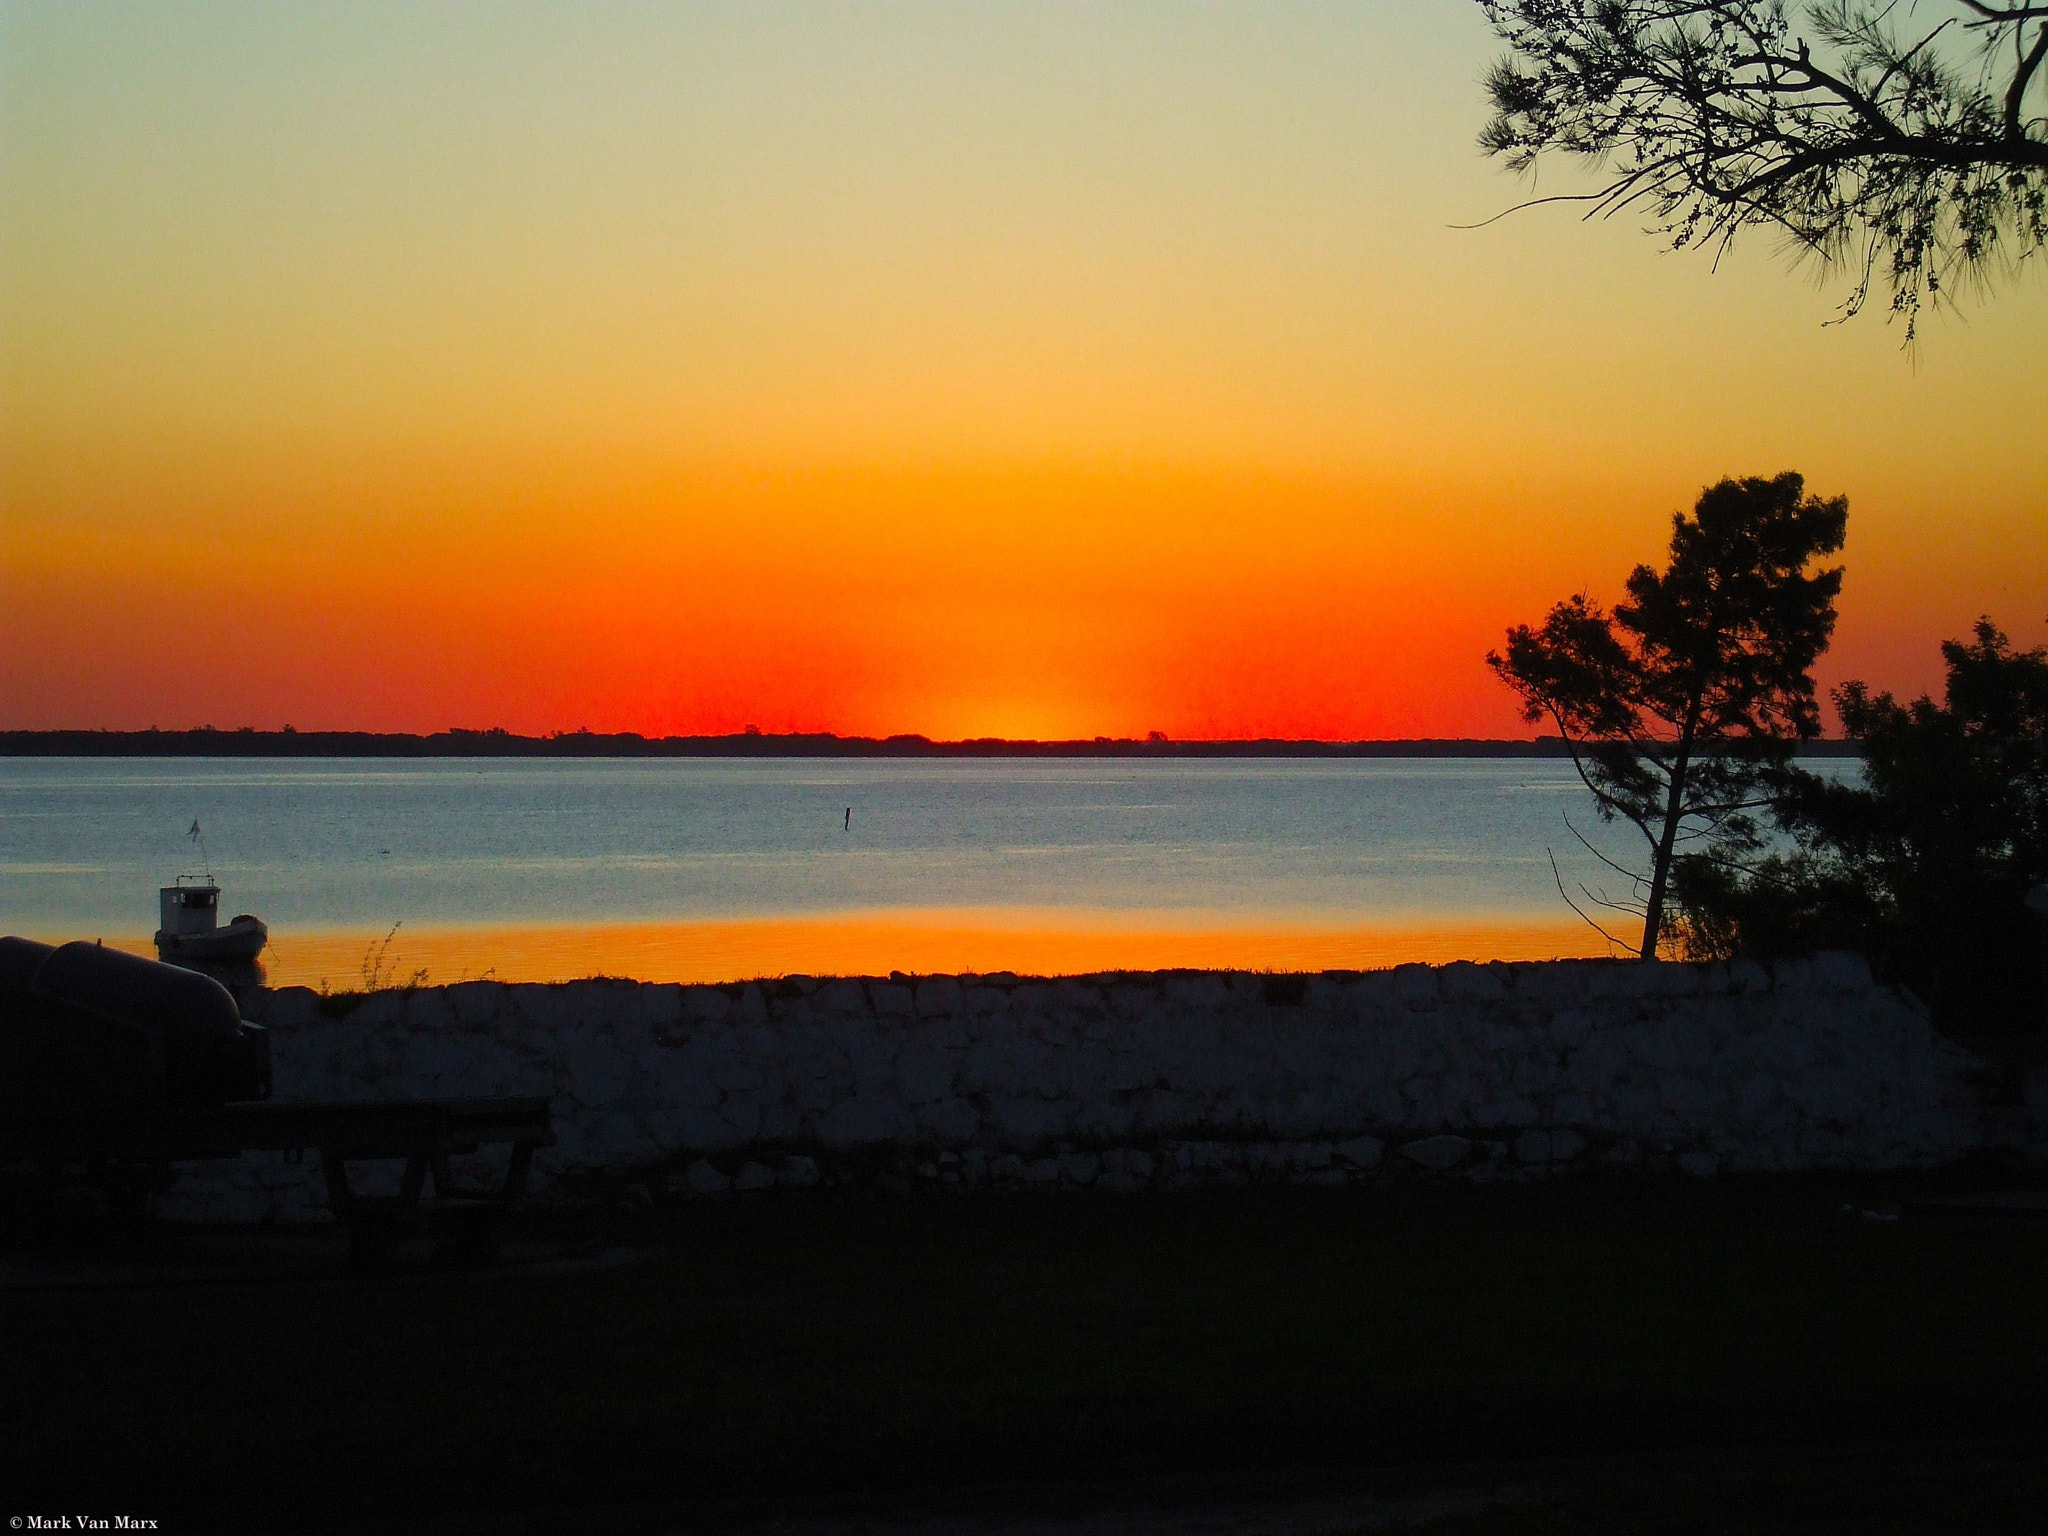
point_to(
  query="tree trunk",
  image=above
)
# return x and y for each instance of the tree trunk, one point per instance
(1667, 843)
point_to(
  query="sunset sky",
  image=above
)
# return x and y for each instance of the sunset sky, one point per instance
(970, 369)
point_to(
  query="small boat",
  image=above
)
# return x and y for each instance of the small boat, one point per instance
(192, 929)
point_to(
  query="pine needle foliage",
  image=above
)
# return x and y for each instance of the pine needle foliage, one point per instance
(1905, 141)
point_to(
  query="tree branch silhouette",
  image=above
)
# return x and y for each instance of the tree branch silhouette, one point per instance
(1866, 141)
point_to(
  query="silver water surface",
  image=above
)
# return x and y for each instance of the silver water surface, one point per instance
(356, 844)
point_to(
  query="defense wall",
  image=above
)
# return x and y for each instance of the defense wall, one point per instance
(1149, 1080)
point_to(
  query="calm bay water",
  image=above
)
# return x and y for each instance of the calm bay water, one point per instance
(699, 869)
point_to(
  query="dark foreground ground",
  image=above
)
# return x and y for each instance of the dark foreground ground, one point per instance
(1634, 1356)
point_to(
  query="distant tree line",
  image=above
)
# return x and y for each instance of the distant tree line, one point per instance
(208, 742)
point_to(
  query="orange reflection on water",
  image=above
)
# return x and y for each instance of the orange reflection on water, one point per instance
(875, 943)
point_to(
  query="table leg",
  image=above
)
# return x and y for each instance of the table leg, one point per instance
(340, 1198)
(516, 1170)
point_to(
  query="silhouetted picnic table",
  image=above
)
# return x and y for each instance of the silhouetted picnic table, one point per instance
(426, 1133)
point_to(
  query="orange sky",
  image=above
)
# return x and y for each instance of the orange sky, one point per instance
(1042, 370)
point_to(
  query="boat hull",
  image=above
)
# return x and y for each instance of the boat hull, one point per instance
(242, 939)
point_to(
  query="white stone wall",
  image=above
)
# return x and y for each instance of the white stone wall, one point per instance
(1144, 1080)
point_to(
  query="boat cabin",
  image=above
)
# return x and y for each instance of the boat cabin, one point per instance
(188, 908)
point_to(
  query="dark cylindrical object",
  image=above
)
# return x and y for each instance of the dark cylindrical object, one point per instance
(87, 1028)
(20, 959)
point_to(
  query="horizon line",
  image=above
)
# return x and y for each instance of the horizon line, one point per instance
(497, 741)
